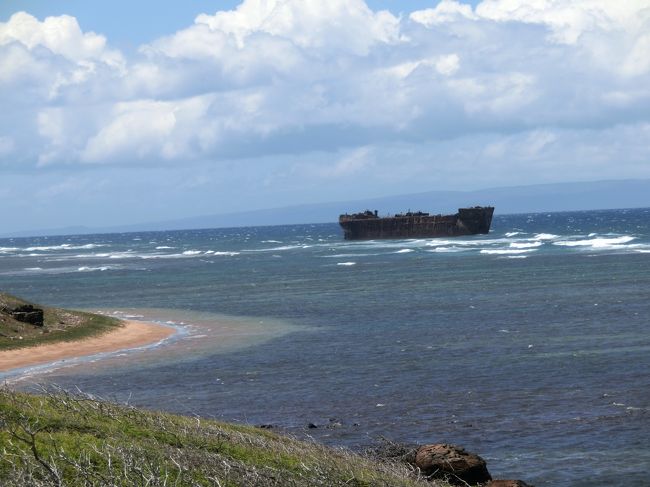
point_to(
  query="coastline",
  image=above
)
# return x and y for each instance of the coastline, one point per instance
(132, 334)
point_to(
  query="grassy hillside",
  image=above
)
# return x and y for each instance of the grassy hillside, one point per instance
(59, 325)
(61, 439)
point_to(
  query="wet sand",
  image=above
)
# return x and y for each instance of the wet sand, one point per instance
(132, 335)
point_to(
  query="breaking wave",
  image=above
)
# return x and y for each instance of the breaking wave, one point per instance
(506, 251)
(46, 248)
(596, 243)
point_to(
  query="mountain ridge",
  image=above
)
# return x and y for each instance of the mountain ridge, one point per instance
(548, 197)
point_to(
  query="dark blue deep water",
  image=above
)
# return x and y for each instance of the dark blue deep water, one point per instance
(529, 346)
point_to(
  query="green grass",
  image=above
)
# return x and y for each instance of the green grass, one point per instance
(57, 438)
(59, 325)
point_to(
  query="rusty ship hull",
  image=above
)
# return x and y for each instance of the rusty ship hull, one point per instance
(369, 226)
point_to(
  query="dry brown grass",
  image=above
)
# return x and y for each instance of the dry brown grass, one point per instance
(58, 438)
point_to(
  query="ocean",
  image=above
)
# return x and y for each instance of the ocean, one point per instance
(529, 346)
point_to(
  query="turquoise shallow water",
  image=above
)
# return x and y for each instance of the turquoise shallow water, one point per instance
(529, 345)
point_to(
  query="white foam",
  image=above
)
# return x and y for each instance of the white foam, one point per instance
(343, 256)
(506, 251)
(525, 245)
(91, 269)
(449, 249)
(346, 263)
(545, 236)
(33, 268)
(512, 234)
(192, 252)
(160, 256)
(596, 243)
(164, 247)
(405, 251)
(229, 254)
(119, 255)
(468, 242)
(275, 249)
(62, 247)
(271, 241)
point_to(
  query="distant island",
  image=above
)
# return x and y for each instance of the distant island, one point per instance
(577, 196)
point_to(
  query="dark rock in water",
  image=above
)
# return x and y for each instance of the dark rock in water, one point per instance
(312, 426)
(334, 423)
(507, 483)
(452, 463)
(26, 314)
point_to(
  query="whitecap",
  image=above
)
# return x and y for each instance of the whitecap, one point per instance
(192, 252)
(346, 263)
(512, 234)
(91, 269)
(121, 255)
(545, 236)
(404, 251)
(597, 243)
(450, 249)
(164, 247)
(506, 251)
(343, 256)
(45, 248)
(275, 249)
(525, 245)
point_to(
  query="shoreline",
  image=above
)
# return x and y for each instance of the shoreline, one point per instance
(132, 334)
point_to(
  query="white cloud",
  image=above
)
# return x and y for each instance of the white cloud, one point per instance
(61, 35)
(357, 162)
(304, 77)
(148, 129)
(448, 65)
(346, 25)
(569, 19)
(446, 11)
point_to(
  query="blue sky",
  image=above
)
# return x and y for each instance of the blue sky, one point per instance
(120, 112)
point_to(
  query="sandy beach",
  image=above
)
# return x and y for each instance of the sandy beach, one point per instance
(132, 334)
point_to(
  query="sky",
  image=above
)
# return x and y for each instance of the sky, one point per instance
(124, 112)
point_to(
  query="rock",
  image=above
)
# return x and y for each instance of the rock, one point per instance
(266, 426)
(312, 426)
(334, 423)
(507, 483)
(26, 314)
(452, 463)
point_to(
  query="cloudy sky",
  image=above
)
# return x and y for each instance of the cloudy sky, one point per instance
(151, 110)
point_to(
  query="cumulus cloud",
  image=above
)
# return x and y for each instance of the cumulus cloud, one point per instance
(345, 25)
(54, 53)
(60, 35)
(303, 78)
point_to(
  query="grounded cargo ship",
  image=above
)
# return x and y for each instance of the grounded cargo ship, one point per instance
(368, 225)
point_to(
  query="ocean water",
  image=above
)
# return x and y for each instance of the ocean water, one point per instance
(529, 346)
